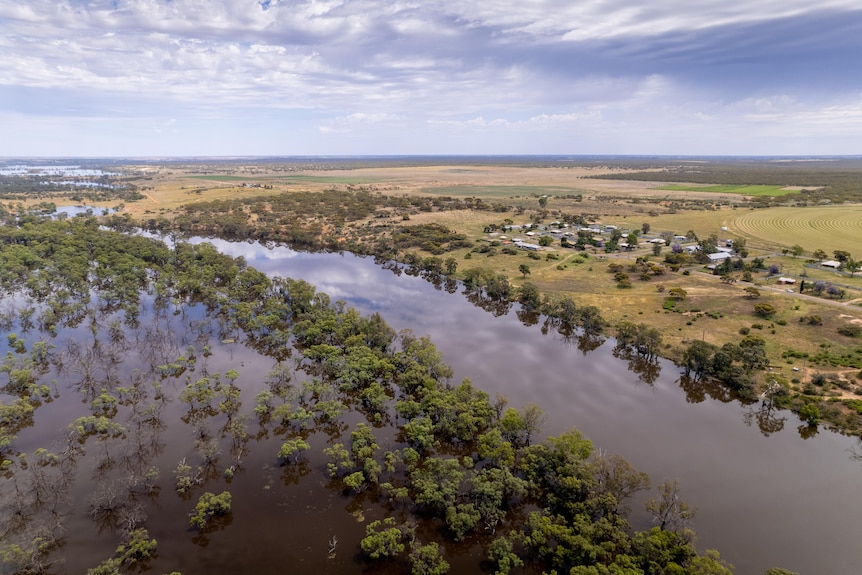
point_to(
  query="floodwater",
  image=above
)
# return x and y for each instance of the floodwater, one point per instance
(764, 500)
(69, 171)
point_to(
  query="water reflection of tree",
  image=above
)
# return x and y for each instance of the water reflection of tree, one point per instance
(528, 317)
(856, 451)
(697, 388)
(34, 503)
(766, 416)
(646, 367)
(497, 307)
(292, 473)
(572, 335)
(213, 525)
(807, 430)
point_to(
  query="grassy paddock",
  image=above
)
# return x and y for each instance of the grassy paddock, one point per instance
(293, 178)
(501, 191)
(758, 190)
(703, 223)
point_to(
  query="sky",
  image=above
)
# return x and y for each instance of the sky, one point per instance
(395, 77)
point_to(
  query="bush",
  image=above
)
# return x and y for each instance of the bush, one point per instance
(764, 309)
(209, 506)
(850, 330)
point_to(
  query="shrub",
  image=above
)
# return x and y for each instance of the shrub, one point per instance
(850, 330)
(764, 309)
(209, 506)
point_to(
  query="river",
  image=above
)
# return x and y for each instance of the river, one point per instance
(763, 501)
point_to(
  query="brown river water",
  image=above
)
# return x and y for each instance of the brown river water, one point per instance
(765, 498)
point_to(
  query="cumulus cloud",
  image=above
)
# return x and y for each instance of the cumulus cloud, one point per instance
(492, 67)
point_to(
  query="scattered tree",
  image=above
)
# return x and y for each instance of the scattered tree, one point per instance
(677, 293)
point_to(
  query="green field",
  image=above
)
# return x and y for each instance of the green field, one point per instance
(732, 189)
(501, 191)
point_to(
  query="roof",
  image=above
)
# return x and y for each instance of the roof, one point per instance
(718, 256)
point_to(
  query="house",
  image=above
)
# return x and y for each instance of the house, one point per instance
(786, 281)
(831, 264)
(526, 246)
(718, 256)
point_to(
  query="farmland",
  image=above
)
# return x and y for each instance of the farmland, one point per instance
(822, 227)
(757, 190)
